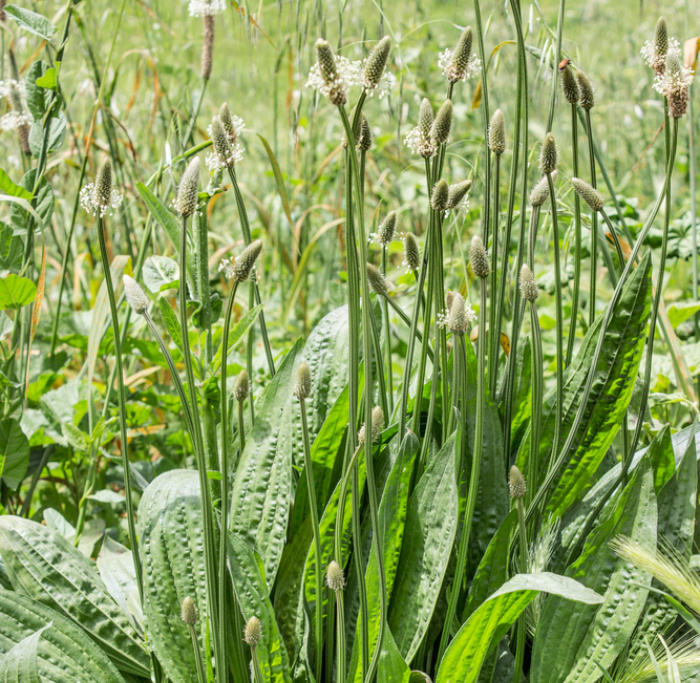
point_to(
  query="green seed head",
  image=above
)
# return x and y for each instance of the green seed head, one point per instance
(326, 61)
(587, 99)
(242, 387)
(103, 183)
(440, 131)
(252, 632)
(661, 37)
(569, 85)
(335, 579)
(463, 50)
(221, 142)
(516, 483)
(479, 258)
(387, 229)
(588, 193)
(375, 428)
(302, 388)
(376, 62)
(540, 193)
(227, 122)
(186, 201)
(440, 196)
(376, 280)
(457, 321)
(365, 139)
(244, 264)
(188, 612)
(411, 251)
(135, 295)
(549, 156)
(528, 286)
(497, 133)
(425, 118)
(457, 193)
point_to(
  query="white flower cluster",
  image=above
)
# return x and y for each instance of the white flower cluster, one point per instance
(215, 163)
(206, 8)
(654, 60)
(674, 82)
(226, 267)
(14, 91)
(453, 72)
(91, 202)
(419, 143)
(350, 74)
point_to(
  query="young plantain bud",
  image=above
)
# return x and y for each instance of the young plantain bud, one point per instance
(497, 133)
(588, 193)
(186, 201)
(227, 122)
(302, 387)
(549, 156)
(326, 61)
(245, 262)
(387, 229)
(462, 54)
(425, 118)
(457, 193)
(365, 139)
(479, 258)
(569, 85)
(516, 483)
(440, 196)
(540, 193)
(103, 183)
(252, 632)
(440, 130)
(457, 321)
(585, 88)
(135, 295)
(528, 286)
(375, 427)
(411, 251)
(242, 387)
(188, 612)
(335, 579)
(221, 142)
(449, 298)
(376, 280)
(376, 62)
(661, 37)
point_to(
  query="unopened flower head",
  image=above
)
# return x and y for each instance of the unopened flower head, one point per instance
(411, 252)
(569, 85)
(100, 198)
(516, 483)
(233, 125)
(302, 387)
(335, 579)
(457, 196)
(540, 193)
(528, 286)
(245, 261)
(331, 75)
(497, 133)
(457, 321)
(206, 8)
(387, 229)
(375, 428)
(242, 386)
(135, 295)
(376, 280)
(479, 258)
(418, 139)
(440, 196)
(225, 154)
(374, 80)
(365, 138)
(459, 64)
(186, 200)
(440, 130)
(188, 612)
(586, 91)
(674, 83)
(549, 155)
(252, 632)
(588, 193)
(654, 51)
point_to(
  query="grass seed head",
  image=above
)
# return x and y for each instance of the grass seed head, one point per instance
(135, 295)
(457, 194)
(440, 196)
(188, 612)
(588, 193)
(242, 386)
(244, 264)
(252, 632)
(376, 63)
(587, 94)
(411, 251)
(335, 579)
(516, 483)
(549, 155)
(376, 280)
(440, 130)
(479, 258)
(528, 286)
(302, 387)
(186, 201)
(569, 85)
(387, 229)
(497, 133)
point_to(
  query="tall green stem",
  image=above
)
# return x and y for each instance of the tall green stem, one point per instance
(577, 241)
(594, 224)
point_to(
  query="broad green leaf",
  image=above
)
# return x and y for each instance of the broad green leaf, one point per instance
(56, 133)
(64, 651)
(679, 311)
(14, 452)
(466, 653)
(391, 668)
(116, 566)
(20, 663)
(31, 21)
(16, 291)
(45, 566)
(661, 456)
(49, 80)
(571, 638)
(262, 491)
(37, 215)
(159, 273)
(8, 187)
(431, 525)
(170, 537)
(252, 596)
(37, 97)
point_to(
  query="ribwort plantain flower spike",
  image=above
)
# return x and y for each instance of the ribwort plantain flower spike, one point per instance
(588, 193)
(375, 427)
(479, 258)
(330, 76)
(244, 264)
(569, 85)
(186, 201)
(226, 154)
(516, 483)
(335, 579)
(188, 611)
(100, 197)
(457, 194)
(418, 139)
(549, 155)
(135, 295)
(587, 99)
(528, 286)
(540, 193)
(440, 130)
(366, 138)
(654, 51)
(376, 280)
(425, 117)
(411, 252)
(387, 229)
(497, 133)
(457, 320)
(233, 125)
(375, 64)
(440, 196)
(674, 84)
(242, 386)
(302, 387)
(459, 64)
(208, 29)
(252, 632)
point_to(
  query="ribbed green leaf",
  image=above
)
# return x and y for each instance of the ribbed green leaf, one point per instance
(170, 537)
(465, 655)
(262, 491)
(43, 565)
(20, 663)
(431, 525)
(391, 668)
(252, 596)
(571, 638)
(65, 654)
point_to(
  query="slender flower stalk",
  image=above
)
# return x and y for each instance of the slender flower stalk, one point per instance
(518, 488)
(335, 580)
(240, 393)
(188, 614)
(251, 636)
